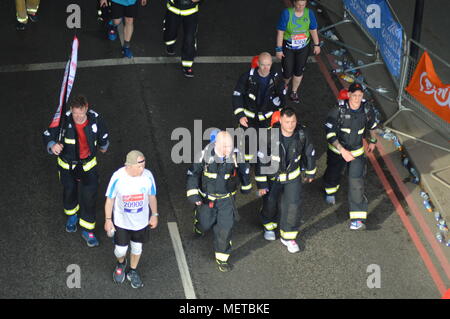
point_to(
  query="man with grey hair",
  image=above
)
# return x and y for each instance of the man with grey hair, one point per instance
(212, 181)
(257, 95)
(130, 209)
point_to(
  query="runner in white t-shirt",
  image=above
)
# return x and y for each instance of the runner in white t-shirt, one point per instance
(130, 208)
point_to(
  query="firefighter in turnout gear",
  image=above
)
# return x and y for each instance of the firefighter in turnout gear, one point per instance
(212, 182)
(345, 128)
(182, 12)
(85, 131)
(287, 151)
(257, 95)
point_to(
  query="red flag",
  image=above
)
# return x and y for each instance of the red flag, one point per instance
(67, 84)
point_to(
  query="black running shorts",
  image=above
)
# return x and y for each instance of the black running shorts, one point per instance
(294, 61)
(122, 236)
(119, 11)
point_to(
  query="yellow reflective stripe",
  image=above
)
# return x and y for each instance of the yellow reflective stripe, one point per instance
(222, 257)
(249, 113)
(192, 192)
(69, 140)
(187, 64)
(170, 42)
(227, 176)
(182, 12)
(298, 158)
(311, 172)
(270, 226)
(288, 235)
(276, 158)
(267, 115)
(346, 130)
(261, 117)
(292, 175)
(86, 224)
(246, 188)
(90, 164)
(239, 110)
(374, 125)
(22, 20)
(210, 175)
(334, 149)
(70, 212)
(329, 135)
(261, 178)
(358, 152)
(358, 215)
(248, 157)
(361, 130)
(331, 190)
(63, 164)
(29, 10)
(252, 96)
(213, 197)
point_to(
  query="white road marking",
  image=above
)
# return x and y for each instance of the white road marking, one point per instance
(181, 261)
(126, 61)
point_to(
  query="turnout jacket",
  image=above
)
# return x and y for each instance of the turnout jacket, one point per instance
(96, 135)
(276, 163)
(246, 92)
(211, 177)
(348, 126)
(184, 6)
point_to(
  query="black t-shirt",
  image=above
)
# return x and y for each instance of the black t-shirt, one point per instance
(263, 83)
(288, 143)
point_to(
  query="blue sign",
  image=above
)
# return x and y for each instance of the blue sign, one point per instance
(376, 18)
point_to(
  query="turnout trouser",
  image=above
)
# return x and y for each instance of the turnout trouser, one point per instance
(357, 200)
(290, 196)
(221, 219)
(85, 204)
(172, 23)
(25, 7)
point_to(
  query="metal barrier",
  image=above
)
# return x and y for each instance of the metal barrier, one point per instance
(349, 17)
(408, 103)
(404, 101)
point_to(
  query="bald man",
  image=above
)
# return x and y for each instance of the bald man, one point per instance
(258, 93)
(212, 182)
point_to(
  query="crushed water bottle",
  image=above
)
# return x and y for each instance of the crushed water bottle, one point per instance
(111, 232)
(338, 52)
(415, 174)
(426, 201)
(387, 135)
(442, 225)
(437, 216)
(405, 162)
(448, 243)
(397, 143)
(439, 237)
(331, 35)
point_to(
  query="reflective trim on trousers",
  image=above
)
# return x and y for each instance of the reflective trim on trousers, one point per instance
(222, 257)
(87, 225)
(331, 190)
(270, 226)
(358, 215)
(70, 212)
(288, 235)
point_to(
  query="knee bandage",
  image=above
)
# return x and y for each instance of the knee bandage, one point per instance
(120, 251)
(136, 248)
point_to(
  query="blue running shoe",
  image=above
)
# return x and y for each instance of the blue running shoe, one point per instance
(127, 53)
(71, 225)
(112, 35)
(90, 238)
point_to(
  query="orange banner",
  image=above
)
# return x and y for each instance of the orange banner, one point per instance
(429, 90)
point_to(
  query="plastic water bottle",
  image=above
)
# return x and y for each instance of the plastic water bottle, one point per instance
(437, 216)
(439, 237)
(111, 232)
(415, 174)
(338, 52)
(338, 70)
(448, 243)
(427, 206)
(442, 225)
(405, 163)
(397, 143)
(387, 135)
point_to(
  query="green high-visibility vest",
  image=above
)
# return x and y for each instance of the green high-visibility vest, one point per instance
(297, 30)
